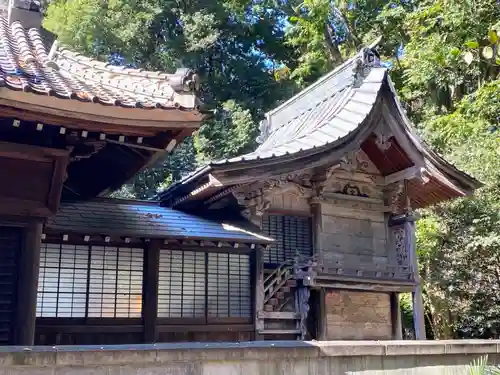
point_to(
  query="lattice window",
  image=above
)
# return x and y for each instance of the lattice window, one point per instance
(115, 282)
(191, 281)
(181, 285)
(292, 234)
(228, 285)
(83, 281)
(62, 282)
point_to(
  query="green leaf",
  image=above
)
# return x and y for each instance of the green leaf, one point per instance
(293, 19)
(455, 51)
(478, 366)
(472, 44)
(492, 36)
(468, 57)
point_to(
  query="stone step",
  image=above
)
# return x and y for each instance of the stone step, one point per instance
(280, 331)
(280, 295)
(268, 308)
(273, 302)
(283, 315)
(285, 289)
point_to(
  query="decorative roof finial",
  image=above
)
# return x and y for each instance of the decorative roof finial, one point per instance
(265, 131)
(367, 59)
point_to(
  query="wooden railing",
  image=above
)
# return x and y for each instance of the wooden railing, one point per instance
(297, 268)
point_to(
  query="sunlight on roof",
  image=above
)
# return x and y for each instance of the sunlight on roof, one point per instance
(232, 228)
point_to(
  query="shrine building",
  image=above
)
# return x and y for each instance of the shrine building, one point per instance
(311, 236)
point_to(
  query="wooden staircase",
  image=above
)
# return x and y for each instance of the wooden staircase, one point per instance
(282, 311)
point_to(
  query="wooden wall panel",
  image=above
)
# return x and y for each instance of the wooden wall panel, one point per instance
(10, 248)
(25, 179)
(32, 179)
(205, 336)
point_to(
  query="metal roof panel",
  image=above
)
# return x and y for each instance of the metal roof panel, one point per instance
(108, 216)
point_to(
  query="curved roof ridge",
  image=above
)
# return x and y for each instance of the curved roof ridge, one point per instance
(324, 78)
(98, 65)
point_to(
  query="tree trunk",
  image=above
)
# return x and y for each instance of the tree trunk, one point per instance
(332, 46)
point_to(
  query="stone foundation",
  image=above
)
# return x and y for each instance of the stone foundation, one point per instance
(352, 315)
(253, 358)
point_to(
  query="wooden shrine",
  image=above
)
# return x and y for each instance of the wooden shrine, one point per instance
(310, 236)
(335, 181)
(79, 269)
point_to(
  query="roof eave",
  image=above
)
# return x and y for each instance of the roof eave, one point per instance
(451, 173)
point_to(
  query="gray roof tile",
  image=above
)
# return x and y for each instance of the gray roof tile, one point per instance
(323, 113)
(27, 64)
(144, 219)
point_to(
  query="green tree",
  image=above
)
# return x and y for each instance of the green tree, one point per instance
(236, 45)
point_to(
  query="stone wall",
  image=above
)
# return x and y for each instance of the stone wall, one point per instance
(257, 358)
(352, 315)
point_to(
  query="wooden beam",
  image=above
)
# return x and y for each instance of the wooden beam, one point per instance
(150, 291)
(206, 328)
(397, 325)
(259, 293)
(327, 278)
(278, 315)
(322, 323)
(418, 304)
(29, 265)
(133, 145)
(50, 107)
(363, 286)
(405, 174)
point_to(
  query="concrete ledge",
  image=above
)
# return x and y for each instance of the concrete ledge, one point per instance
(265, 351)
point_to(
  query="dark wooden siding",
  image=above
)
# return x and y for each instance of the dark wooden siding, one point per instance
(10, 248)
(293, 235)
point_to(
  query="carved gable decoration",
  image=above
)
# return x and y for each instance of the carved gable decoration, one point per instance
(354, 175)
(257, 198)
(358, 161)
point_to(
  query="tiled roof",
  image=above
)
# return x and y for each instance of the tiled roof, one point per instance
(326, 121)
(322, 117)
(27, 64)
(321, 114)
(144, 219)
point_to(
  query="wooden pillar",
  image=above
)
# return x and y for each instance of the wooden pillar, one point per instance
(418, 305)
(259, 293)
(322, 326)
(150, 291)
(29, 266)
(397, 327)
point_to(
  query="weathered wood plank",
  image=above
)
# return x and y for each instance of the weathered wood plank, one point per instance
(418, 305)
(29, 265)
(397, 327)
(259, 293)
(278, 315)
(150, 288)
